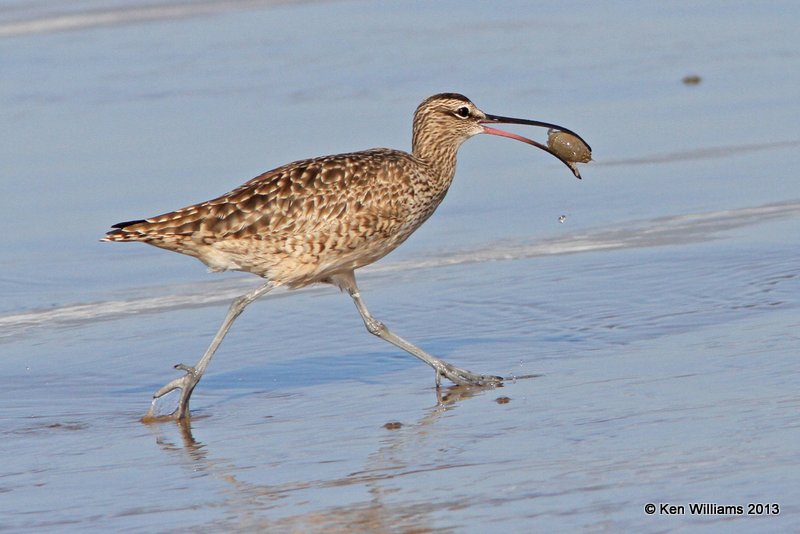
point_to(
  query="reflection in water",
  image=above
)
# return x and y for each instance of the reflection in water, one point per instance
(188, 445)
(249, 501)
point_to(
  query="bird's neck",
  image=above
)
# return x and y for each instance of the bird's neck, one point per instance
(438, 158)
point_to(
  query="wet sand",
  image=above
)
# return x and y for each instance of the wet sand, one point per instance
(660, 318)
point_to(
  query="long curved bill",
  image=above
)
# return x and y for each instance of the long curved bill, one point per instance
(496, 119)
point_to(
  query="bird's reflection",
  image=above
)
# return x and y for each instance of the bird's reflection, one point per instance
(377, 513)
(188, 445)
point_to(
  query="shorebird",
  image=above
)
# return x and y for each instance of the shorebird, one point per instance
(318, 220)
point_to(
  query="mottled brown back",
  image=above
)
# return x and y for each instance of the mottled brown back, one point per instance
(303, 221)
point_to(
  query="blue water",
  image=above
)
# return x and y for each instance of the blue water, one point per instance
(662, 314)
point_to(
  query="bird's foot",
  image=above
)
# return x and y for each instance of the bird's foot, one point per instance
(463, 377)
(186, 385)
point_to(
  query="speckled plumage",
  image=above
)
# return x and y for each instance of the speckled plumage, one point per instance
(317, 220)
(304, 221)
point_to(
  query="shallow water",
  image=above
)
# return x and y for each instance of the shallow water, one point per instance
(661, 317)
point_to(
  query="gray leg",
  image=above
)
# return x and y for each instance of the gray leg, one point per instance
(441, 367)
(187, 382)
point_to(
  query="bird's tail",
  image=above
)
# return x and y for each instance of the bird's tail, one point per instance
(128, 231)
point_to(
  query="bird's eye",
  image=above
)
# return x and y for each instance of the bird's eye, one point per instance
(462, 112)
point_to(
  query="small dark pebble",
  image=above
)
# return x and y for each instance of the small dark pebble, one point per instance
(502, 400)
(393, 425)
(692, 79)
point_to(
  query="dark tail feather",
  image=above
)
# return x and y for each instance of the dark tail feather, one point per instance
(120, 234)
(128, 223)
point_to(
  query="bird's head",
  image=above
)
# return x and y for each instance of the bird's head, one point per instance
(444, 121)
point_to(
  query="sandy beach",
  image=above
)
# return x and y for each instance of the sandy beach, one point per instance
(656, 301)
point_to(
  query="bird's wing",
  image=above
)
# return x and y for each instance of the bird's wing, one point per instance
(349, 191)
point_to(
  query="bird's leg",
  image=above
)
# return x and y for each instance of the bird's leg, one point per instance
(440, 367)
(187, 382)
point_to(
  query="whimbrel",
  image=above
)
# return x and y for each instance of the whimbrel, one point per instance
(318, 220)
